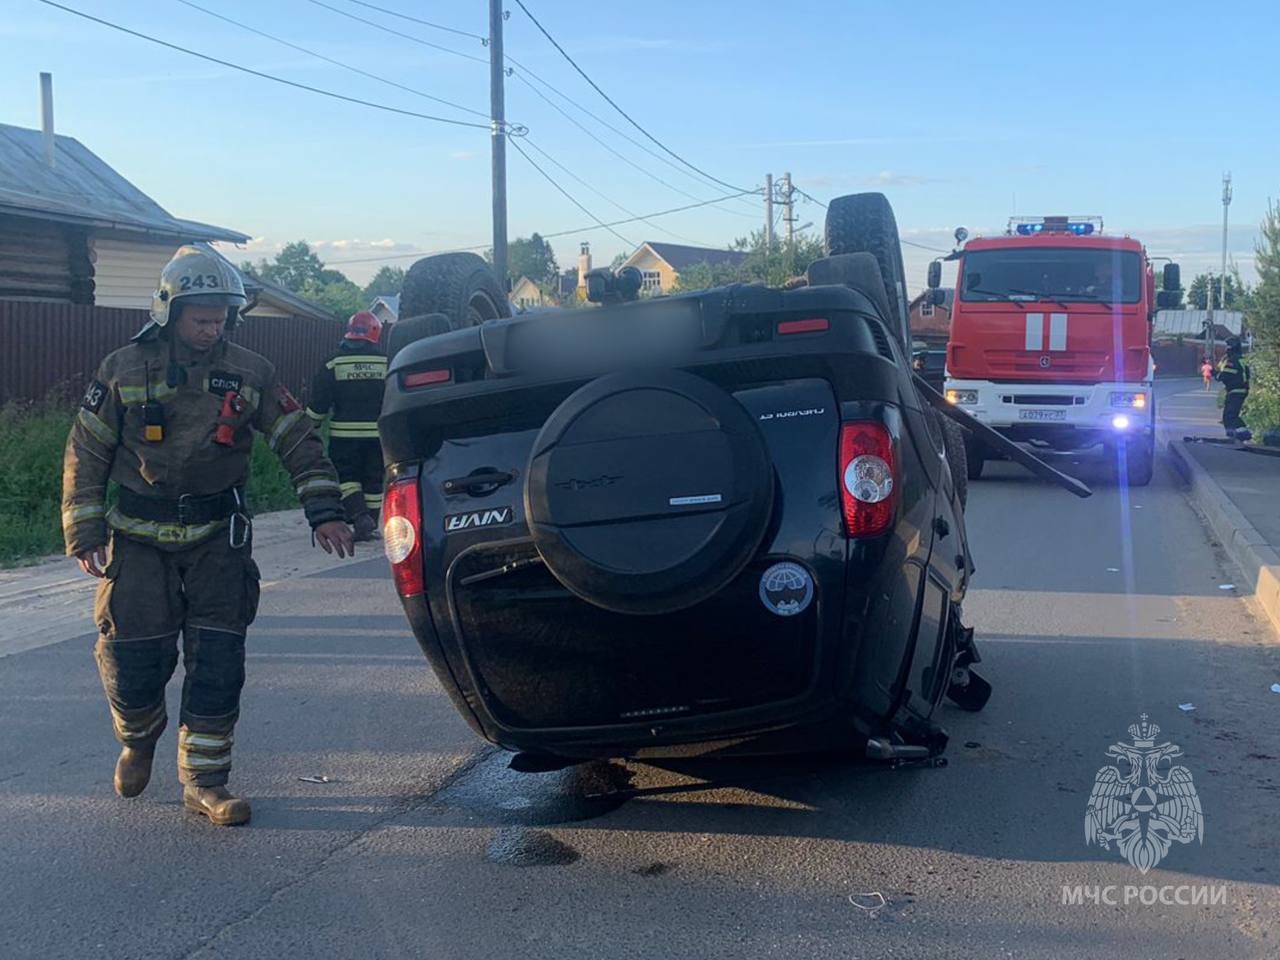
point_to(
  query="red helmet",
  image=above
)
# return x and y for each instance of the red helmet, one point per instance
(364, 326)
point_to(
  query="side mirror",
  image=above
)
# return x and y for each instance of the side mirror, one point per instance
(1168, 299)
(935, 275)
(1172, 277)
(937, 298)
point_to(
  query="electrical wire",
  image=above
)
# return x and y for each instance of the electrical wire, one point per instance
(425, 23)
(605, 197)
(265, 76)
(397, 33)
(554, 235)
(337, 63)
(610, 101)
(567, 195)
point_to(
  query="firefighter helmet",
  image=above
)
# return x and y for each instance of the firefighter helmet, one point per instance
(196, 274)
(1234, 345)
(364, 326)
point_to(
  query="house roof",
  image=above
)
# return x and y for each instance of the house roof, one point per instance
(1190, 323)
(680, 256)
(81, 188)
(276, 295)
(391, 301)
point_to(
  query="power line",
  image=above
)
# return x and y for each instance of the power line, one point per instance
(397, 33)
(265, 76)
(606, 198)
(610, 101)
(567, 195)
(556, 234)
(909, 243)
(337, 63)
(425, 23)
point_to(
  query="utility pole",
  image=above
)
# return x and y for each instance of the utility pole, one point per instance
(497, 116)
(789, 206)
(1226, 202)
(768, 211)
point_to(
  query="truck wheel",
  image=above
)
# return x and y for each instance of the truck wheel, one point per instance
(647, 493)
(411, 329)
(459, 285)
(1140, 463)
(975, 456)
(864, 223)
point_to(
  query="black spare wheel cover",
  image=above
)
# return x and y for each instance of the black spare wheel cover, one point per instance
(648, 492)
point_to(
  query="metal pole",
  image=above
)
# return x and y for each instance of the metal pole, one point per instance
(497, 114)
(1226, 202)
(789, 216)
(768, 212)
(46, 118)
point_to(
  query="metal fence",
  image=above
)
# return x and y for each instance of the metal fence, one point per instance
(54, 348)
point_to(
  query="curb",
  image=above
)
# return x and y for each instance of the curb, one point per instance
(1256, 558)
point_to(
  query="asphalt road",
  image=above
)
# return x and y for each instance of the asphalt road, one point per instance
(1089, 613)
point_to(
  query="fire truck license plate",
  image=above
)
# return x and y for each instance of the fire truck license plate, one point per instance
(1042, 414)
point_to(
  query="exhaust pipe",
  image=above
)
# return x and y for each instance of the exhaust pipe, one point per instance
(881, 749)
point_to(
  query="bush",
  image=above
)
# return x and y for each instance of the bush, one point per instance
(33, 437)
(1262, 409)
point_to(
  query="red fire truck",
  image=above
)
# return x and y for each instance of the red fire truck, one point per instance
(1051, 339)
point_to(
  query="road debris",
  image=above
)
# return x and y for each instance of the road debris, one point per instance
(316, 779)
(1186, 707)
(1226, 586)
(1275, 688)
(870, 902)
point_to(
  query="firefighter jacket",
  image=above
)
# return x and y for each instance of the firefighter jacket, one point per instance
(162, 441)
(1234, 374)
(350, 388)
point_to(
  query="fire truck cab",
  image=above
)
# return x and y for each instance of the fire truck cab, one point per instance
(1050, 339)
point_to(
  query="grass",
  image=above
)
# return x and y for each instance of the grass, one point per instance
(32, 439)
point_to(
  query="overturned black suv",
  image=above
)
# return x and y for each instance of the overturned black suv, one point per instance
(722, 522)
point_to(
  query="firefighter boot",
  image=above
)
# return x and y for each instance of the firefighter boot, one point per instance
(217, 804)
(133, 770)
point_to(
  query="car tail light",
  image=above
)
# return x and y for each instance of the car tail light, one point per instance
(813, 325)
(425, 378)
(866, 478)
(402, 536)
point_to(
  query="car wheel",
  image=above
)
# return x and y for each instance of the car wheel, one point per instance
(864, 223)
(975, 456)
(1140, 463)
(459, 285)
(411, 329)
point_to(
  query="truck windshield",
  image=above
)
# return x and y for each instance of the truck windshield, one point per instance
(1032, 273)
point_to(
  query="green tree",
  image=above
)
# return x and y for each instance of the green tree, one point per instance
(773, 264)
(340, 297)
(1262, 412)
(385, 283)
(292, 267)
(1205, 291)
(532, 257)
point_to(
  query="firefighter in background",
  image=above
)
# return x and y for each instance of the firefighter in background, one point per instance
(348, 388)
(170, 419)
(1234, 374)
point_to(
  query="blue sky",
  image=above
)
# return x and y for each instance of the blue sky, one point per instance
(962, 114)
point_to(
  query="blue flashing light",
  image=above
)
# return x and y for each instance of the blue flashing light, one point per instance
(1030, 229)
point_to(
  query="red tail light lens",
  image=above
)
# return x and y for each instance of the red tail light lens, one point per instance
(402, 536)
(814, 325)
(867, 478)
(425, 378)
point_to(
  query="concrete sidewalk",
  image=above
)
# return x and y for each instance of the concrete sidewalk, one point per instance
(52, 601)
(1238, 492)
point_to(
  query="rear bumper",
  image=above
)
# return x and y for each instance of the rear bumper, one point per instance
(1063, 414)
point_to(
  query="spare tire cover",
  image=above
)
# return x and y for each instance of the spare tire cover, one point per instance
(648, 492)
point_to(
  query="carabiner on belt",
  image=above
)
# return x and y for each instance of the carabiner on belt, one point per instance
(240, 526)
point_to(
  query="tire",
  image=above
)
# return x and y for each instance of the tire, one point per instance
(864, 223)
(459, 285)
(1140, 464)
(975, 456)
(412, 329)
(957, 456)
(647, 493)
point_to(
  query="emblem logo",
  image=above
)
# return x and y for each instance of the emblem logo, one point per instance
(94, 396)
(1045, 361)
(786, 589)
(594, 483)
(476, 519)
(1144, 804)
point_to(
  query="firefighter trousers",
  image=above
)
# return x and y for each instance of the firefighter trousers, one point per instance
(359, 465)
(208, 593)
(1231, 411)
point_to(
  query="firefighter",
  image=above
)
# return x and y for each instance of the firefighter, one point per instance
(1234, 374)
(349, 389)
(170, 419)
